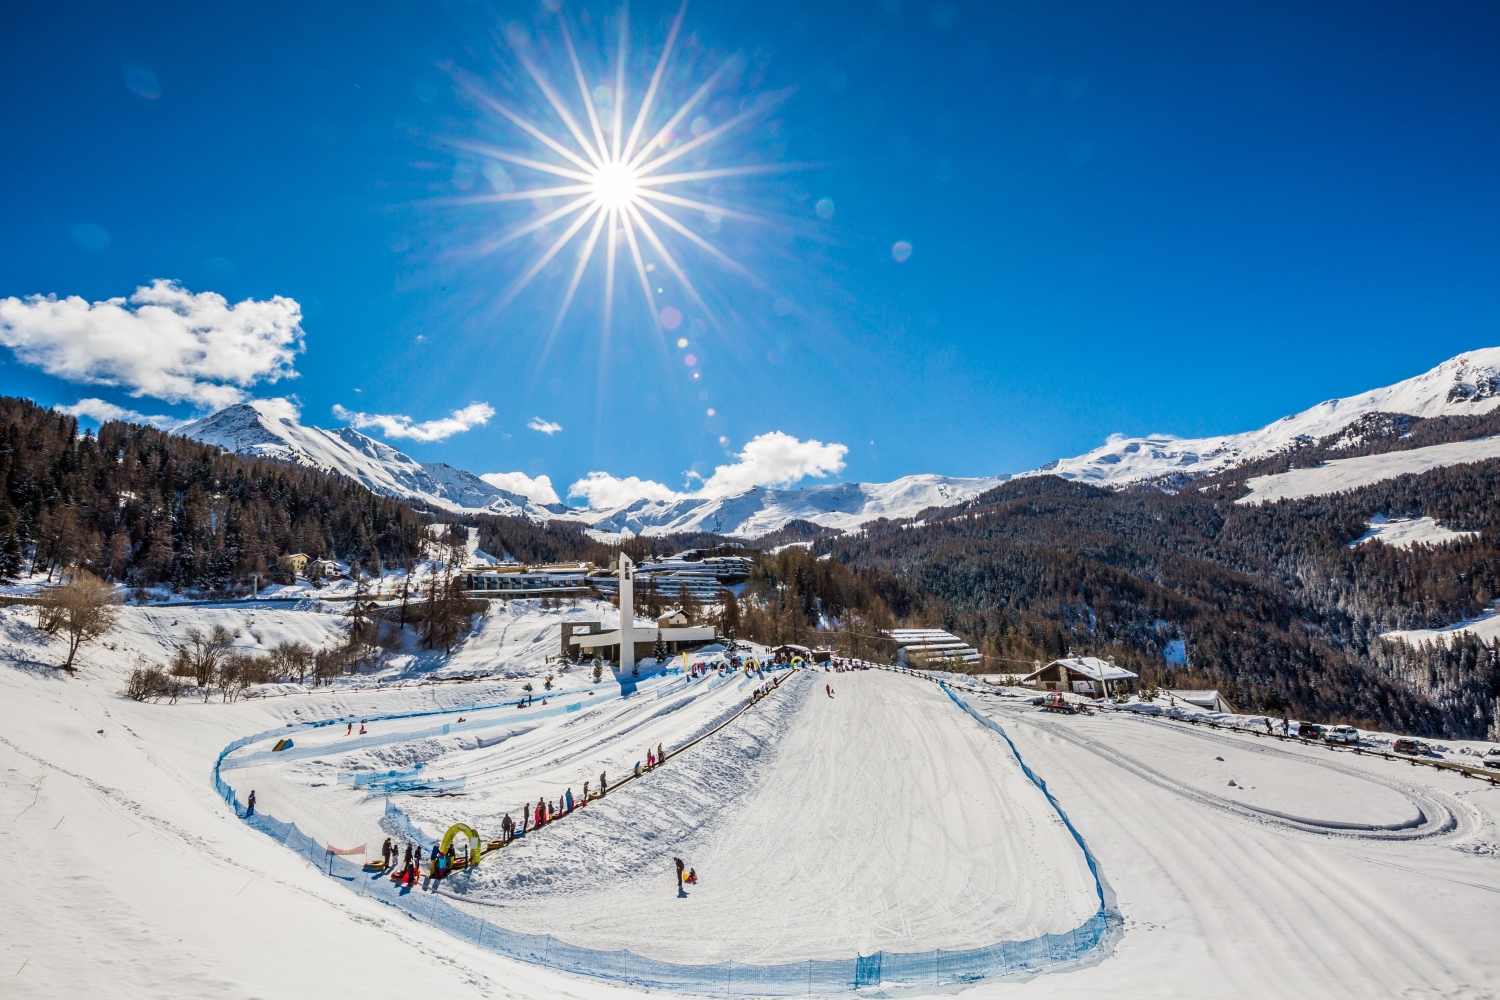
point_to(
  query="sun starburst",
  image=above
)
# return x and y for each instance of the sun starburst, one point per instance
(607, 173)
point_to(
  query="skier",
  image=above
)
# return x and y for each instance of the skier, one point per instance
(250, 806)
(678, 863)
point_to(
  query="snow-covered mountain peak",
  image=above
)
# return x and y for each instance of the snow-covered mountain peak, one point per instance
(270, 428)
(1464, 385)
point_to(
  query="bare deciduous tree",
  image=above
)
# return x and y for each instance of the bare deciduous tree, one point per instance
(81, 608)
(292, 659)
(201, 656)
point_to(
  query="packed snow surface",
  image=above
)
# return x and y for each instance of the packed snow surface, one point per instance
(132, 877)
(853, 826)
(1344, 474)
(1405, 532)
(1465, 385)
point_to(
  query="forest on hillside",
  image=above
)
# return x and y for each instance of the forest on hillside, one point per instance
(1270, 603)
(142, 507)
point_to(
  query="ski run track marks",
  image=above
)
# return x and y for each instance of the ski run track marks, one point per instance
(880, 818)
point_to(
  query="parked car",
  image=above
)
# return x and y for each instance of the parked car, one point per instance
(1308, 731)
(1409, 746)
(1342, 734)
(1492, 759)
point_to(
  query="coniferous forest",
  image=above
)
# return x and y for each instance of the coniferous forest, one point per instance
(142, 507)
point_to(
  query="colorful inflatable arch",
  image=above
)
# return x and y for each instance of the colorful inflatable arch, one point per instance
(751, 663)
(474, 842)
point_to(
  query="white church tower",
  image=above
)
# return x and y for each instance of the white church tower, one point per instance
(627, 613)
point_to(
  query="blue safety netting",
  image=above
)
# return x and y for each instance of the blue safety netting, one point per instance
(936, 967)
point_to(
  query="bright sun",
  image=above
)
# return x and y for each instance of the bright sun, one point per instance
(615, 186)
(607, 170)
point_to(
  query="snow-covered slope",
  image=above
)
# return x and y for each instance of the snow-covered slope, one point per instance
(761, 510)
(270, 428)
(1467, 384)
(1344, 474)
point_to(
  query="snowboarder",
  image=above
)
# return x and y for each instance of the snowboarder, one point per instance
(250, 805)
(680, 866)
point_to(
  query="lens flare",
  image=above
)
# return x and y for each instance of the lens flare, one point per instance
(612, 164)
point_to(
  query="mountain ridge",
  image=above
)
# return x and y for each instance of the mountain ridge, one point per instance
(1465, 385)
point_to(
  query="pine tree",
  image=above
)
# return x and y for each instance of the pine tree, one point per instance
(659, 649)
(11, 560)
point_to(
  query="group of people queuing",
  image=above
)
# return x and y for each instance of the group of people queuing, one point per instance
(843, 666)
(536, 816)
(440, 863)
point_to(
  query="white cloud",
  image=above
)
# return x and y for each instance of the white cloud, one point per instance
(541, 426)
(602, 491)
(395, 425)
(164, 341)
(538, 489)
(103, 411)
(280, 408)
(775, 459)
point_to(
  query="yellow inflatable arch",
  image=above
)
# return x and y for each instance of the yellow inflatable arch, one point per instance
(748, 661)
(474, 842)
(797, 659)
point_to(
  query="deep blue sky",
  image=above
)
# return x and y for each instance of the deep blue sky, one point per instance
(1180, 217)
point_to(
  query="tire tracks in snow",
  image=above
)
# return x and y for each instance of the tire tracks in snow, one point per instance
(1438, 815)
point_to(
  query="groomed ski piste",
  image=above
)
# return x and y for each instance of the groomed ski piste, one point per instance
(899, 837)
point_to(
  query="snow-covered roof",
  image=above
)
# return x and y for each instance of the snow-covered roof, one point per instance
(1089, 666)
